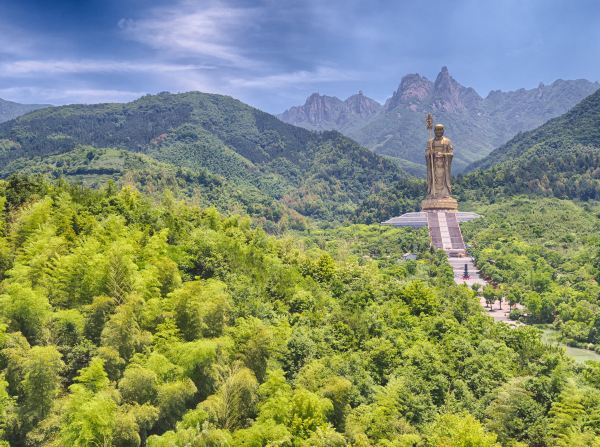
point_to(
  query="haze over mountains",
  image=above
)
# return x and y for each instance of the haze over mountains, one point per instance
(477, 125)
(561, 158)
(10, 110)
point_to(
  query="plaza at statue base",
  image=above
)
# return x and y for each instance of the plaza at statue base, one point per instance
(439, 209)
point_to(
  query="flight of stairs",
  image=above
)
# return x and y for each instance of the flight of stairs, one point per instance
(444, 232)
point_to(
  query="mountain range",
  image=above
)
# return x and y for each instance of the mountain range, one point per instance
(214, 147)
(477, 125)
(10, 110)
(561, 158)
(225, 153)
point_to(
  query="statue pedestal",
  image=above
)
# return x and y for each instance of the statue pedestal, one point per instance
(446, 204)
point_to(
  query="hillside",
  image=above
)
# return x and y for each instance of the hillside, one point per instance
(277, 169)
(10, 110)
(560, 158)
(127, 321)
(477, 125)
(545, 254)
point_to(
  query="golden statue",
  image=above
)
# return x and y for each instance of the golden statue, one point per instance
(438, 156)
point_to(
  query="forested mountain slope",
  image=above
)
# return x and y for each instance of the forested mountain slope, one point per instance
(285, 169)
(476, 124)
(560, 158)
(10, 110)
(130, 322)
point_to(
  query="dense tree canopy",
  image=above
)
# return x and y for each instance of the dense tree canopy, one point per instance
(544, 255)
(129, 321)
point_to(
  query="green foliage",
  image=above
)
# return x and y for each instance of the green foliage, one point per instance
(560, 159)
(128, 320)
(201, 308)
(211, 148)
(461, 430)
(542, 258)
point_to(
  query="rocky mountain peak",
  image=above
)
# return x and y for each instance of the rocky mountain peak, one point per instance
(451, 96)
(326, 112)
(413, 89)
(362, 105)
(318, 100)
(317, 109)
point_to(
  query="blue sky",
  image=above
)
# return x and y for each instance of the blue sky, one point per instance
(274, 53)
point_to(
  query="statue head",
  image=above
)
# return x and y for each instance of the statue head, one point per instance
(438, 130)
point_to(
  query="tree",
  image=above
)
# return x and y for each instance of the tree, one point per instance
(40, 384)
(301, 411)
(516, 295)
(139, 385)
(573, 417)
(421, 298)
(234, 403)
(7, 409)
(201, 308)
(489, 294)
(27, 311)
(253, 340)
(122, 332)
(500, 292)
(120, 271)
(459, 430)
(339, 391)
(172, 400)
(515, 415)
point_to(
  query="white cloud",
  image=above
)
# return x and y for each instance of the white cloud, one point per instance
(191, 28)
(321, 74)
(29, 67)
(33, 94)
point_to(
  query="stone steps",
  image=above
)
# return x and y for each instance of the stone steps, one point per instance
(444, 231)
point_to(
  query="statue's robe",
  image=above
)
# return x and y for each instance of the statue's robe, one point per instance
(438, 155)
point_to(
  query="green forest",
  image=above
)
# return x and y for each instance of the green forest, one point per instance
(558, 159)
(132, 320)
(212, 147)
(544, 254)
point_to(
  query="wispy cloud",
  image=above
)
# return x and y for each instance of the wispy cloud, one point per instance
(304, 77)
(34, 94)
(194, 29)
(13, 41)
(34, 67)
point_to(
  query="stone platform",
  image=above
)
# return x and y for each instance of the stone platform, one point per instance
(419, 219)
(444, 229)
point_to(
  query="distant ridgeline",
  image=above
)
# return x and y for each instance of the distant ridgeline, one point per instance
(212, 147)
(478, 125)
(10, 110)
(560, 158)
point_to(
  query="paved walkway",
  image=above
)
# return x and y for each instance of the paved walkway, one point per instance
(458, 266)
